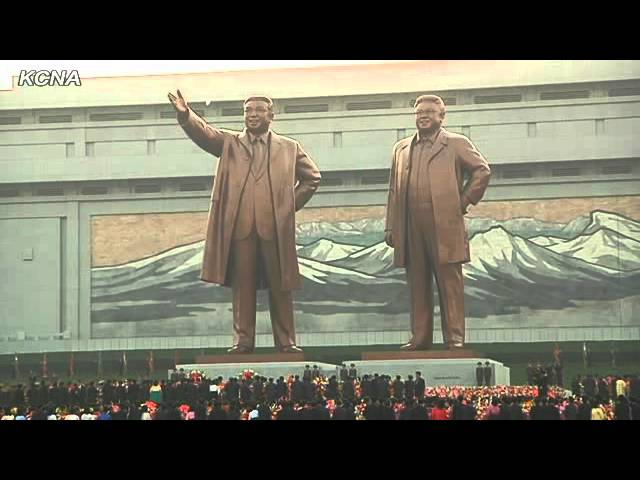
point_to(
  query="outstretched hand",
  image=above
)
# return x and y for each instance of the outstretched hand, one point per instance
(179, 103)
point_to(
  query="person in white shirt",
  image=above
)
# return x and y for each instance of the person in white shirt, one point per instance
(88, 415)
(72, 415)
(621, 387)
(254, 414)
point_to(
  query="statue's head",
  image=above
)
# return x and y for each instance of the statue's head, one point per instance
(429, 111)
(258, 113)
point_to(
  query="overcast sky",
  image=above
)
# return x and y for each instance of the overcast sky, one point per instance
(107, 68)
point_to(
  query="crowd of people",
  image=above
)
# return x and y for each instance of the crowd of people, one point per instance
(313, 395)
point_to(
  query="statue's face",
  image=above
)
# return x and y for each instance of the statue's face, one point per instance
(257, 116)
(429, 116)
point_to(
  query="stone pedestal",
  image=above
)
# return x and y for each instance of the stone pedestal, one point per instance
(266, 365)
(455, 367)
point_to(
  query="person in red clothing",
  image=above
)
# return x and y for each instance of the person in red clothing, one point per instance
(440, 412)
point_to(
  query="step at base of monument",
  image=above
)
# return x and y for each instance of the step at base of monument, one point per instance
(420, 354)
(251, 358)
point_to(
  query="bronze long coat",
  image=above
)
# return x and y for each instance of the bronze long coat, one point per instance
(293, 177)
(453, 156)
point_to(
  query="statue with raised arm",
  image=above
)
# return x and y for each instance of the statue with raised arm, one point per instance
(262, 179)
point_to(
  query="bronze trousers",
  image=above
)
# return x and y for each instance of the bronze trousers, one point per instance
(422, 266)
(251, 257)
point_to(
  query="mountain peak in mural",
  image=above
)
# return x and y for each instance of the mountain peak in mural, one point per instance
(376, 259)
(604, 247)
(326, 250)
(613, 222)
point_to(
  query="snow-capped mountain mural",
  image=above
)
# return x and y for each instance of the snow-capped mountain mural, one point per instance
(603, 247)
(364, 232)
(519, 268)
(326, 250)
(376, 260)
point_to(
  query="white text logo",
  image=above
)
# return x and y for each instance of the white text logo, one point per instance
(42, 78)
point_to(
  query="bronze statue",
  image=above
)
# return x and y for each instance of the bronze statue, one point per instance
(428, 199)
(262, 179)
